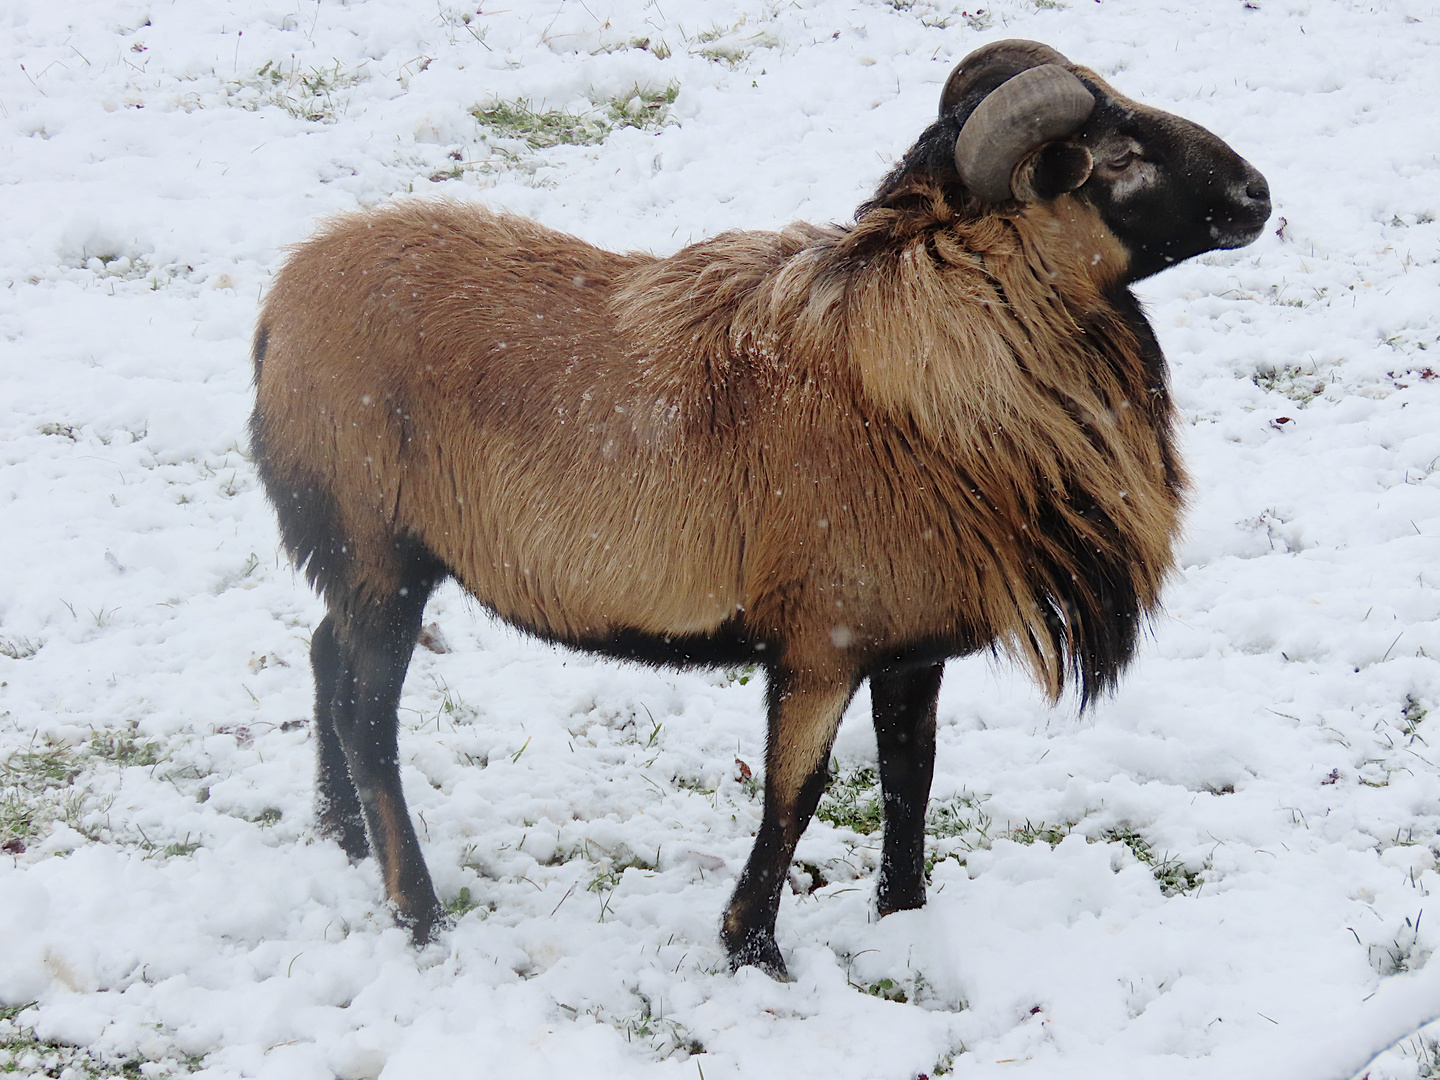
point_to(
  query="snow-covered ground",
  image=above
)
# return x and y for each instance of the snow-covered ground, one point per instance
(1221, 872)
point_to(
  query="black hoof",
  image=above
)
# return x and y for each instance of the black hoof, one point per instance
(899, 892)
(758, 950)
(348, 831)
(423, 928)
(891, 901)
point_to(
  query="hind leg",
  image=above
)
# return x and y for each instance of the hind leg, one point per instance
(337, 803)
(373, 642)
(903, 704)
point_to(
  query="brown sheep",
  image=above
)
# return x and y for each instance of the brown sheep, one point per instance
(843, 453)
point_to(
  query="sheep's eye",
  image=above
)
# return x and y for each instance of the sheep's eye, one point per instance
(1123, 161)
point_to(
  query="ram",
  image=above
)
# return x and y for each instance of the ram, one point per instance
(842, 453)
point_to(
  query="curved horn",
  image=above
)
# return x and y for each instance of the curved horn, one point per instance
(987, 67)
(1035, 107)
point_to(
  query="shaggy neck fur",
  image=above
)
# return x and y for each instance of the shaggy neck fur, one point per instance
(1000, 352)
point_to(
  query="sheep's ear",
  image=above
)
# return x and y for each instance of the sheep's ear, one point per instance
(1050, 171)
(1027, 112)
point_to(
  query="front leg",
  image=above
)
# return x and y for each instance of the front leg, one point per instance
(903, 702)
(804, 713)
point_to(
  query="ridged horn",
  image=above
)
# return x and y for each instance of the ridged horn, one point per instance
(1028, 110)
(987, 67)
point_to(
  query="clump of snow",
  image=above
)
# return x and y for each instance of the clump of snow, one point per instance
(1223, 871)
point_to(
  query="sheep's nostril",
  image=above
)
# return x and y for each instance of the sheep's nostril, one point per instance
(1258, 189)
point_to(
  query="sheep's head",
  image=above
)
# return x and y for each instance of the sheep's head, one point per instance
(1033, 126)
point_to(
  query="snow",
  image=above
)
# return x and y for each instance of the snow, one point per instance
(1272, 755)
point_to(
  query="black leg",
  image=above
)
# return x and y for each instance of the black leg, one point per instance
(337, 802)
(904, 708)
(804, 712)
(373, 642)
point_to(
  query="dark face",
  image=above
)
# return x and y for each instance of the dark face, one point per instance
(1168, 189)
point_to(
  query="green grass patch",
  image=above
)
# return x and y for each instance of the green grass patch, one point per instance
(695, 784)
(181, 848)
(1412, 715)
(641, 108)
(23, 1053)
(50, 782)
(461, 903)
(730, 46)
(665, 1038)
(1173, 876)
(1299, 384)
(35, 790)
(945, 1063)
(962, 817)
(541, 129)
(961, 824)
(49, 765)
(267, 817)
(741, 674)
(852, 801)
(888, 989)
(656, 47)
(315, 94)
(1047, 834)
(125, 748)
(607, 876)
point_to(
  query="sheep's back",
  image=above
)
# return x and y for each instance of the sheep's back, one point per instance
(472, 391)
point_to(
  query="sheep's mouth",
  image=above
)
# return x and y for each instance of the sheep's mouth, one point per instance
(1235, 234)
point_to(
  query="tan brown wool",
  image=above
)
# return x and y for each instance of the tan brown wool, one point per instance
(843, 453)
